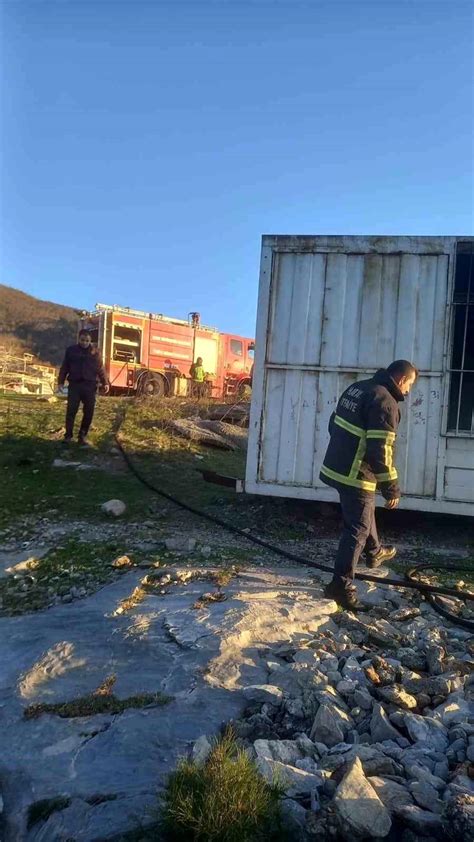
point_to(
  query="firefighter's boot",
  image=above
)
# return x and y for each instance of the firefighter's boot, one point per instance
(381, 557)
(345, 595)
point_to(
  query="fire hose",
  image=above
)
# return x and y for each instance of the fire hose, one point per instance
(429, 591)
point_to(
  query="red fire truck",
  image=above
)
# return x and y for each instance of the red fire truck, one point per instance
(151, 354)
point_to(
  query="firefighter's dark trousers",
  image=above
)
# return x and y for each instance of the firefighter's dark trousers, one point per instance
(359, 533)
(78, 393)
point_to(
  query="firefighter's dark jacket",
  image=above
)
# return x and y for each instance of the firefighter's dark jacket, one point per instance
(82, 365)
(363, 431)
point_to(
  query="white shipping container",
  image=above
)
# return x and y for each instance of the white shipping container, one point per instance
(334, 309)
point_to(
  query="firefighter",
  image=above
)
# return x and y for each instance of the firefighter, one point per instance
(198, 375)
(83, 368)
(359, 459)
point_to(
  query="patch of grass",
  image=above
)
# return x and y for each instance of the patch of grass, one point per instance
(101, 700)
(224, 800)
(40, 811)
(72, 564)
(30, 441)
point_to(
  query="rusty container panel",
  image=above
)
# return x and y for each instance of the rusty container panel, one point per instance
(333, 310)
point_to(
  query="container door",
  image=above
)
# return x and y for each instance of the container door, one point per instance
(337, 317)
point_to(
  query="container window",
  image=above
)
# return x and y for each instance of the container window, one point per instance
(461, 393)
(236, 347)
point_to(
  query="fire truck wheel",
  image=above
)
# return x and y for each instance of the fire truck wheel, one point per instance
(152, 386)
(244, 389)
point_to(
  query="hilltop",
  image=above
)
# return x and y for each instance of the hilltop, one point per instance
(30, 325)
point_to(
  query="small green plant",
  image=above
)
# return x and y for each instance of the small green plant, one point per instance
(223, 800)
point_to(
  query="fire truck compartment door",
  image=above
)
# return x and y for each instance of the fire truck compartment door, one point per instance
(207, 348)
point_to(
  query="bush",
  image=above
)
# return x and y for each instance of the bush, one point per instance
(224, 800)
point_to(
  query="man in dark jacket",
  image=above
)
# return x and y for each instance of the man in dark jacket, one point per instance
(83, 368)
(359, 459)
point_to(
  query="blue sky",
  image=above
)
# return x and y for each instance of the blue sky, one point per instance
(147, 146)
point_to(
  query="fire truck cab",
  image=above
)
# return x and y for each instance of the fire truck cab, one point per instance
(152, 354)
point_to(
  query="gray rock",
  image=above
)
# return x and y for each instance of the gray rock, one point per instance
(201, 750)
(328, 696)
(456, 733)
(353, 672)
(391, 794)
(402, 615)
(81, 820)
(264, 694)
(295, 781)
(334, 676)
(286, 751)
(427, 730)
(307, 764)
(435, 658)
(454, 711)
(412, 659)
(460, 818)
(458, 745)
(363, 699)
(294, 679)
(346, 687)
(421, 821)
(373, 761)
(426, 796)
(359, 809)
(441, 770)
(423, 775)
(114, 508)
(380, 727)
(293, 818)
(470, 753)
(330, 725)
(306, 746)
(396, 695)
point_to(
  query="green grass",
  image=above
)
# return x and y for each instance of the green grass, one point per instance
(72, 564)
(225, 800)
(101, 700)
(30, 440)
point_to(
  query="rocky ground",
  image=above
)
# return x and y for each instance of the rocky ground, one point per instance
(128, 640)
(367, 720)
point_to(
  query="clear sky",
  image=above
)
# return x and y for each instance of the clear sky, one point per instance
(147, 146)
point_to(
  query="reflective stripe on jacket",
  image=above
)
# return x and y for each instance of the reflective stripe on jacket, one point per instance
(363, 431)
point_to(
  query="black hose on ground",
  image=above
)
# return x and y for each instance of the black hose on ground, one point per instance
(428, 590)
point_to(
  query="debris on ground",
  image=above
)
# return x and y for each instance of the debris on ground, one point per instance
(114, 508)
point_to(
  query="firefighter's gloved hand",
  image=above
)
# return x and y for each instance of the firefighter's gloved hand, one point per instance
(61, 390)
(392, 504)
(106, 389)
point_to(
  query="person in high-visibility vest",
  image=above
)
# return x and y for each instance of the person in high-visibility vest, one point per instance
(198, 376)
(358, 461)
